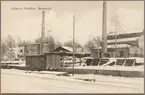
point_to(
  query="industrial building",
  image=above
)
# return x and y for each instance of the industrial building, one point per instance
(123, 45)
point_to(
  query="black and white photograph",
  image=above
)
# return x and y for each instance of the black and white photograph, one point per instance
(72, 47)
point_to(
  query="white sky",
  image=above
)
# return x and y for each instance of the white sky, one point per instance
(26, 24)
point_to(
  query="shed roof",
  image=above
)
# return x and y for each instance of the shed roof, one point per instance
(68, 48)
(63, 48)
(68, 54)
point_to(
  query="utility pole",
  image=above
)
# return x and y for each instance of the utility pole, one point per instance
(104, 29)
(73, 43)
(49, 39)
(43, 32)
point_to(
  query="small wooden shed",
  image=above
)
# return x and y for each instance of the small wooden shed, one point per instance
(52, 61)
(36, 62)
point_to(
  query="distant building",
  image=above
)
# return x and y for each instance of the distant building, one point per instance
(141, 45)
(63, 49)
(123, 45)
(14, 54)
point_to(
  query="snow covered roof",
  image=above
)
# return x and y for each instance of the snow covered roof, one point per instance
(123, 40)
(63, 48)
(121, 35)
(68, 48)
(118, 46)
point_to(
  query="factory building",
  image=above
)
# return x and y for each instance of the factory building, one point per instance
(123, 45)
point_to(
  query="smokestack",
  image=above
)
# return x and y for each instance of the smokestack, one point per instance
(43, 31)
(104, 28)
(43, 25)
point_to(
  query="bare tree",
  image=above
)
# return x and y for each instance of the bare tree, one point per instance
(58, 44)
(70, 44)
(93, 43)
(38, 40)
(4, 49)
(116, 23)
(50, 43)
(20, 43)
(117, 27)
(11, 43)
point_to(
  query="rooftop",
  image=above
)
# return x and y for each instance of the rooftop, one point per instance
(124, 35)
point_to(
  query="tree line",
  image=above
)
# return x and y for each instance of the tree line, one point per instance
(51, 43)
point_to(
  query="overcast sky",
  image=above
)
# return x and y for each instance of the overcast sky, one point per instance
(26, 24)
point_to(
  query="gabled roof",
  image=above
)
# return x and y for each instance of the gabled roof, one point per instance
(63, 49)
(68, 48)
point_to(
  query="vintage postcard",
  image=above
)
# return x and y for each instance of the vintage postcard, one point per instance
(72, 46)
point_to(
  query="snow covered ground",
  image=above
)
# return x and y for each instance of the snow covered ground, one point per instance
(112, 79)
(108, 80)
(43, 83)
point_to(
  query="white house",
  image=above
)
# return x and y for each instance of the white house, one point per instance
(16, 53)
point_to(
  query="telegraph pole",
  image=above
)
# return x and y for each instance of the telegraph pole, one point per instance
(104, 29)
(73, 42)
(43, 32)
(49, 39)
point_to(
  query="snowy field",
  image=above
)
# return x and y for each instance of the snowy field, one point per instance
(112, 79)
(103, 84)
